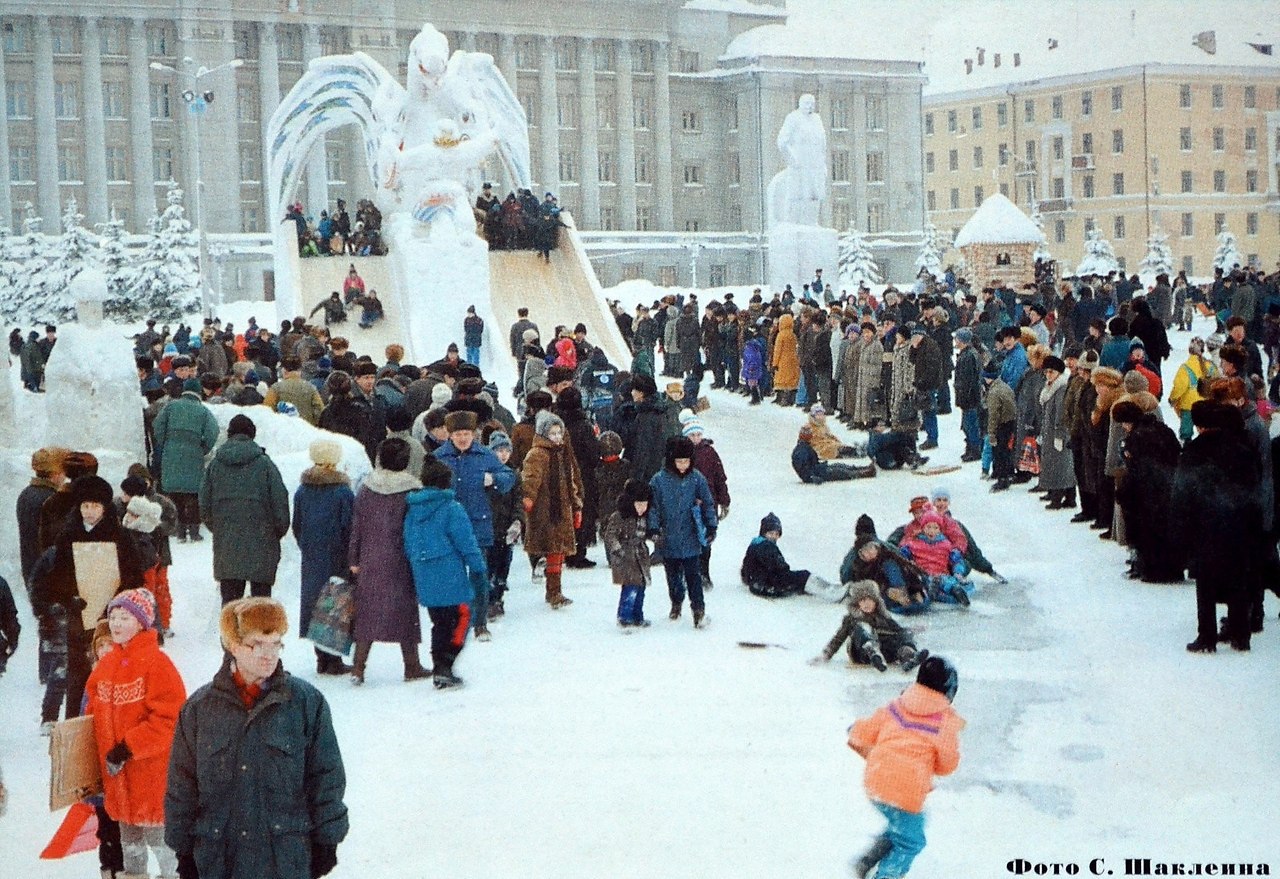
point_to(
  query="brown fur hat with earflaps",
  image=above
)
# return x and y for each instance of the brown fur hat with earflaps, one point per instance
(247, 616)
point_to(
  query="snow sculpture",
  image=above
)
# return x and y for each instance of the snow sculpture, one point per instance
(797, 243)
(91, 381)
(425, 145)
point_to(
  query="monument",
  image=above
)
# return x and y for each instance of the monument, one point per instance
(797, 243)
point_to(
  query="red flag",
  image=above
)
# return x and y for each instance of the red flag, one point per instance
(77, 833)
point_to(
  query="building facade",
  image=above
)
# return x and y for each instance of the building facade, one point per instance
(1189, 149)
(645, 116)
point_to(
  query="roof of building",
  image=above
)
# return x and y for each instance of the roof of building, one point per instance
(998, 221)
(736, 7)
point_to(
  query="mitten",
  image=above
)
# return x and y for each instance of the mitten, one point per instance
(528, 505)
(324, 858)
(711, 536)
(513, 532)
(117, 757)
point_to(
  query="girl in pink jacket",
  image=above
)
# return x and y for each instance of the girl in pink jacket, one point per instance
(941, 559)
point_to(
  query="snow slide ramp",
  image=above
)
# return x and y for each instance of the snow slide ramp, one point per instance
(318, 276)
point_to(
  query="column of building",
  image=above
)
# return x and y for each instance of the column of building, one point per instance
(548, 116)
(141, 144)
(317, 168)
(590, 172)
(269, 99)
(664, 182)
(95, 154)
(626, 139)
(47, 202)
(6, 203)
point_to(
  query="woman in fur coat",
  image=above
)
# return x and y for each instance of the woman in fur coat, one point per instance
(1057, 471)
(552, 502)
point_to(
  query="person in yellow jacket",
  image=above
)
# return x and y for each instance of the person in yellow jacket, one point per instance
(1186, 385)
(906, 743)
(786, 362)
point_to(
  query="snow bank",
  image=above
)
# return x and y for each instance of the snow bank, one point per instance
(287, 438)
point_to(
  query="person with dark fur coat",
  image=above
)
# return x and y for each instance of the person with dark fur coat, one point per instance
(582, 440)
(624, 533)
(872, 634)
(1150, 451)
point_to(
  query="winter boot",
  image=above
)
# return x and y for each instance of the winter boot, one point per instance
(957, 592)
(1203, 645)
(182, 532)
(865, 864)
(361, 659)
(676, 610)
(700, 619)
(779, 397)
(878, 661)
(910, 657)
(755, 396)
(555, 597)
(413, 668)
(864, 472)
(538, 567)
(194, 533)
(496, 610)
(446, 680)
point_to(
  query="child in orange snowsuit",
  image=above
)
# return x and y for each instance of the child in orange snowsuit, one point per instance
(906, 743)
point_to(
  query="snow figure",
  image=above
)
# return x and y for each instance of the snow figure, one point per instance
(74, 254)
(91, 381)
(425, 145)
(931, 250)
(857, 264)
(1228, 255)
(1099, 258)
(1159, 258)
(797, 243)
(166, 284)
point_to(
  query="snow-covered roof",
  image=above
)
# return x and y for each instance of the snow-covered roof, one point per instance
(998, 221)
(811, 38)
(736, 7)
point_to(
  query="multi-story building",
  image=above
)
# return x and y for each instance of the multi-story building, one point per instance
(1187, 142)
(653, 120)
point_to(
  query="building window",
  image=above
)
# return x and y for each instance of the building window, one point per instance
(1251, 224)
(839, 114)
(978, 196)
(1117, 141)
(1086, 103)
(1086, 186)
(632, 271)
(17, 102)
(928, 163)
(159, 41)
(1251, 97)
(689, 121)
(642, 166)
(566, 53)
(688, 62)
(644, 216)
(1219, 181)
(1184, 139)
(567, 111)
(1117, 184)
(1184, 96)
(1218, 100)
(928, 123)
(568, 168)
(692, 225)
(875, 114)
(1004, 189)
(605, 58)
(606, 113)
(1187, 181)
(977, 118)
(1117, 98)
(162, 164)
(66, 99)
(1219, 139)
(955, 199)
(1058, 187)
(111, 39)
(249, 216)
(113, 99)
(733, 113)
(1251, 180)
(1059, 231)
(606, 219)
(333, 162)
(20, 164)
(666, 276)
(1002, 114)
(247, 105)
(875, 218)
(953, 160)
(1086, 143)
(1030, 152)
(526, 53)
(17, 38)
(1118, 228)
(952, 124)
(1055, 107)
(68, 163)
(604, 167)
(692, 175)
(735, 217)
(1250, 140)
(640, 111)
(1058, 148)
(642, 56)
(529, 104)
(1219, 223)
(977, 157)
(249, 165)
(875, 167)
(1029, 110)
(931, 200)
(65, 40)
(1002, 154)
(117, 164)
(290, 39)
(160, 105)
(840, 166)
(719, 275)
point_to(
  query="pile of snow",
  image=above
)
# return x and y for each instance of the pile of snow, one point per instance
(287, 438)
(998, 221)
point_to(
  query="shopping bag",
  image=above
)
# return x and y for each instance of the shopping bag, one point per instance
(1030, 460)
(77, 833)
(334, 616)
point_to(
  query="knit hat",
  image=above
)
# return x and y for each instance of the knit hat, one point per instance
(931, 517)
(192, 386)
(610, 443)
(991, 370)
(441, 394)
(499, 440)
(142, 514)
(92, 489)
(918, 503)
(691, 427)
(545, 421)
(325, 453)
(817, 409)
(134, 486)
(964, 334)
(940, 492)
(139, 602)
(770, 523)
(460, 420)
(686, 415)
(1054, 363)
(917, 330)
(1137, 343)
(940, 676)
(245, 617)
(1088, 361)
(242, 425)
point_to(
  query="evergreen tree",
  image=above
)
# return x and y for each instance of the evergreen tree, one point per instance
(75, 252)
(1159, 258)
(10, 268)
(857, 265)
(114, 257)
(1228, 255)
(931, 250)
(33, 253)
(1099, 257)
(166, 284)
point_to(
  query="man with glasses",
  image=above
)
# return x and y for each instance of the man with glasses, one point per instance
(255, 774)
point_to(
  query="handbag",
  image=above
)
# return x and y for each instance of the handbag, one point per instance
(334, 617)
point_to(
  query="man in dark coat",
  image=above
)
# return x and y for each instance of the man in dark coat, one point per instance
(185, 432)
(927, 360)
(1150, 330)
(1150, 452)
(968, 385)
(245, 505)
(581, 438)
(256, 780)
(642, 424)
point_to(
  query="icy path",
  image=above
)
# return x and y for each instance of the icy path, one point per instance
(578, 751)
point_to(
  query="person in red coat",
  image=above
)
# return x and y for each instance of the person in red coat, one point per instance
(706, 460)
(134, 695)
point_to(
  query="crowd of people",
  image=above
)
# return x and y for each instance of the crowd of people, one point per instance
(336, 233)
(519, 221)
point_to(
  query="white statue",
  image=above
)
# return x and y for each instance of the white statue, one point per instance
(797, 192)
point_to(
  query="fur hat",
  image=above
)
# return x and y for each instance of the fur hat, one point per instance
(134, 486)
(856, 591)
(1209, 415)
(1135, 382)
(471, 387)
(645, 384)
(1107, 377)
(139, 602)
(92, 489)
(569, 399)
(1088, 361)
(251, 616)
(678, 447)
(675, 388)
(632, 491)
(441, 393)
(610, 443)
(499, 440)
(770, 522)
(76, 464)
(1054, 363)
(462, 420)
(557, 374)
(142, 514)
(1195, 346)
(1126, 412)
(545, 421)
(325, 453)
(1236, 356)
(242, 425)
(940, 676)
(48, 461)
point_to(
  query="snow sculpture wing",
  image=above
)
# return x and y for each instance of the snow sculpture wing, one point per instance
(336, 90)
(484, 99)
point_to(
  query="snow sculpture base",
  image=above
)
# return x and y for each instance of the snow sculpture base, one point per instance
(795, 251)
(92, 399)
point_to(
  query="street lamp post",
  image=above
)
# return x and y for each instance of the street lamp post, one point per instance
(198, 102)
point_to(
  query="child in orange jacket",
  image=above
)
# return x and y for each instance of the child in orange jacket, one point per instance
(906, 743)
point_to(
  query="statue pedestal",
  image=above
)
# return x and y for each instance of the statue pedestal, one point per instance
(795, 251)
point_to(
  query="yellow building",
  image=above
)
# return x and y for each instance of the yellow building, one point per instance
(1188, 141)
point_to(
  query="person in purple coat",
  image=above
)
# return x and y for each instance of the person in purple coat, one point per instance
(753, 365)
(386, 603)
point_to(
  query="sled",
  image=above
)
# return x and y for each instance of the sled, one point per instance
(334, 617)
(77, 833)
(74, 772)
(761, 645)
(936, 470)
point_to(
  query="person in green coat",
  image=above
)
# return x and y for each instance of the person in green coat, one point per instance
(184, 432)
(245, 504)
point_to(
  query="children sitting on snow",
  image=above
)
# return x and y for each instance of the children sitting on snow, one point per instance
(940, 497)
(811, 469)
(902, 583)
(940, 558)
(824, 442)
(872, 634)
(766, 573)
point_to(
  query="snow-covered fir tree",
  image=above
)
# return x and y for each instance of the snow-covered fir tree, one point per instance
(1159, 258)
(1042, 249)
(857, 264)
(1099, 257)
(166, 284)
(1228, 255)
(75, 252)
(10, 264)
(33, 252)
(113, 256)
(931, 249)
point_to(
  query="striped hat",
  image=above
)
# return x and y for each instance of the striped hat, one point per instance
(139, 602)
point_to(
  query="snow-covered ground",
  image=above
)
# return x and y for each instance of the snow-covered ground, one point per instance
(579, 751)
